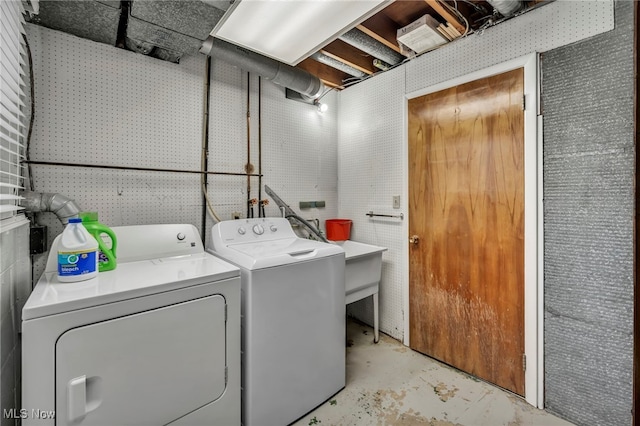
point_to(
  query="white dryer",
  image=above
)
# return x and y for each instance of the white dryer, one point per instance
(293, 318)
(153, 342)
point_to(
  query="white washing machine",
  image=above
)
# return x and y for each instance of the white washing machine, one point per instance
(153, 342)
(293, 318)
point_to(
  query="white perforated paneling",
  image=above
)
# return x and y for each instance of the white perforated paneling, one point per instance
(112, 106)
(299, 152)
(98, 104)
(370, 172)
(227, 140)
(299, 146)
(371, 129)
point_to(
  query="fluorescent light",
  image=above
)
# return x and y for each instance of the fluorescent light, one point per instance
(291, 30)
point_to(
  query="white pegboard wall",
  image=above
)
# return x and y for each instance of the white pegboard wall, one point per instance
(299, 146)
(228, 140)
(227, 118)
(97, 103)
(549, 26)
(370, 174)
(300, 152)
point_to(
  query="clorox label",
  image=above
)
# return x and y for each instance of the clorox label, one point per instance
(76, 263)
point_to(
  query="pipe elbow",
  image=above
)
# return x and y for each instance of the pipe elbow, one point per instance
(62, 206)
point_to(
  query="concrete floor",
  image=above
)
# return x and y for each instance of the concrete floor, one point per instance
(389, 384)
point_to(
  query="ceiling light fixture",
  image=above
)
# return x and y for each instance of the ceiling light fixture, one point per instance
(291, 30)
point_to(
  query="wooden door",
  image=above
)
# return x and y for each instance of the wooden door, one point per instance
(466, 195)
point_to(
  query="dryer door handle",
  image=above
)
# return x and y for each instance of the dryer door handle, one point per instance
(84, 394)
(77, 398)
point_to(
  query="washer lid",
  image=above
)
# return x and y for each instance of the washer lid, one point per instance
(267, 254)
(127, 281)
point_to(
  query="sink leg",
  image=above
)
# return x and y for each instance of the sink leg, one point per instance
(376, 332)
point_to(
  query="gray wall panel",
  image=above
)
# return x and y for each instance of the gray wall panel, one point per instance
(586, 388)
(588, 225)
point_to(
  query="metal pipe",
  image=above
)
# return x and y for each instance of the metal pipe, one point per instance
(334, 63)
(282, 74)
(260, 146)
(247, 168)
(369, 45)
(63, 207)
(205, 146)
(144, 169)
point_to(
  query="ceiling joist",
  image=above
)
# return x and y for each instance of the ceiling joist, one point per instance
(447, 15)
(331, 76)
(349, 55)
(381, 28)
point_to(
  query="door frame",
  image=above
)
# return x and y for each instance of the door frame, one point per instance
(533, 220)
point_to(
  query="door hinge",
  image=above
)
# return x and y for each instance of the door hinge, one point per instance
(524, 102)
(524, 362)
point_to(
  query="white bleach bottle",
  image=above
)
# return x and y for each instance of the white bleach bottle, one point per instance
(77, 253)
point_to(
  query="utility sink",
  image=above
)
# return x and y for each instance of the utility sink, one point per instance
(363, 270)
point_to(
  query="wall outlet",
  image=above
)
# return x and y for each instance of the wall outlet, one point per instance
(396, 201)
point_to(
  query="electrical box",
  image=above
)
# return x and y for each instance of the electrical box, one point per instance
(38, 239)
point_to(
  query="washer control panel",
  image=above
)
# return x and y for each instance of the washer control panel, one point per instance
(250, 230)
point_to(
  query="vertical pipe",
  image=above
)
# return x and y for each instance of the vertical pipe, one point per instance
(205, 146)
(260, 205)
(636, 288)
(247, 167)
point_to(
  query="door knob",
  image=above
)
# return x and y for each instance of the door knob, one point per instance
(414, 239)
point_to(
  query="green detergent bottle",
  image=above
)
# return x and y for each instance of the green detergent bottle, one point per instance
(106, 254)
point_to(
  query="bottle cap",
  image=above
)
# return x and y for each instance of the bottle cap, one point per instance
(75, 220)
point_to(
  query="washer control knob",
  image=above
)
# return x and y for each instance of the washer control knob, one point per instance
(241, 231)
(181, 236)
(273, 228)
(258, 229)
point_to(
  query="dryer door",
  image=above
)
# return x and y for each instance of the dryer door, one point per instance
(149, 368)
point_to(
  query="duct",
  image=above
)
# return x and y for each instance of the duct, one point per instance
(360, 40)
(334, 63)
(277, 72)
(506, 8)
(63, 207)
